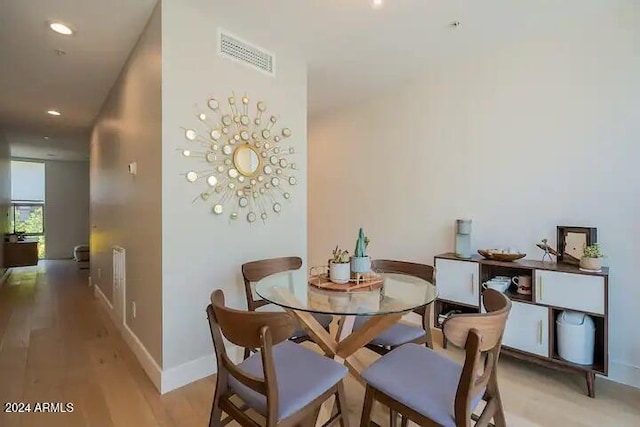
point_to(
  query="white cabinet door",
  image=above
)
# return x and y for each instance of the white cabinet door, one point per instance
(528, 328)
(457, 281)
(574, 291)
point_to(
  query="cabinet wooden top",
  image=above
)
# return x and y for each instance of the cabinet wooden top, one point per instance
(526, 264)
(23, 242)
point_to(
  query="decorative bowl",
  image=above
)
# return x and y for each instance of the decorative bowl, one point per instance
(495, 255)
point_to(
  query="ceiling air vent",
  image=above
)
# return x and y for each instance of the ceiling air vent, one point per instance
(239, 50)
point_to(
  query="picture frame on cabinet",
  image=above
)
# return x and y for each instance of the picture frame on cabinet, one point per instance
(571, 242)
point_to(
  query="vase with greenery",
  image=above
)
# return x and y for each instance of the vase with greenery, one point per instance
(360, 261)
(339, 271)
(591, 257)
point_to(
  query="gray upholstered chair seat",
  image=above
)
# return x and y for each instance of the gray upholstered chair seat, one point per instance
(323, 319)
(302, 376)
(420, 379)
(397, 334)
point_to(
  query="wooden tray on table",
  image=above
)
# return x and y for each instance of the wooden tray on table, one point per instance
(367, 282)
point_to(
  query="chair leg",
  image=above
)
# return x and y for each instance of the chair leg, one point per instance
(426, 324)
(365, 419)
(498, 417)
(494, 394)
(404, 421)
(310, 421)
(429, 343)
(341, 402)
(393, 418)
(215, 420)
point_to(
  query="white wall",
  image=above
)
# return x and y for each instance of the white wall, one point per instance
(521, 141)
(125, 209)
(201, 251)
(67, 207)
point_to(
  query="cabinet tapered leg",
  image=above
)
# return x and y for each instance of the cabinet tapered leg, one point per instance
(591, 384)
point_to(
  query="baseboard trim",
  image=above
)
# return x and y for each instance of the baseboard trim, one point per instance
(145, 359)
(97, 292)
(5, 276)
(197, 369)
(187, 373)
(624, 373)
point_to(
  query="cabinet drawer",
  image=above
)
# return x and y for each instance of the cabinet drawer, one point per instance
(573, 291)
(527, 328)
(457, 281)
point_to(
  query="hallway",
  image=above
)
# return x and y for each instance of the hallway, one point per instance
(57, 345)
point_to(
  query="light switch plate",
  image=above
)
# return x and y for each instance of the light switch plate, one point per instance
(133, 168)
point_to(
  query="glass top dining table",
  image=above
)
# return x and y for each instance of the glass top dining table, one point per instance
(399, 293)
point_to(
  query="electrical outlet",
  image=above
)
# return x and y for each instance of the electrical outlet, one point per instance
(99, 270)
(133, 309)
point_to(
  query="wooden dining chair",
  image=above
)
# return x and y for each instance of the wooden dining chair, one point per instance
(285, 382)
(432, 390)
(255, 271)
(401, 333)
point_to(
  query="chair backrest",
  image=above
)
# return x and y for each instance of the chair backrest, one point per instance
(250, 330)
(422, 271)
(257, 270)
(481, 337)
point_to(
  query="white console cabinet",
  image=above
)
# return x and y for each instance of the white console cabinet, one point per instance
(530, 333)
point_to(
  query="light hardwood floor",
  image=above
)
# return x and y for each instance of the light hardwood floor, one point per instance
(57, 346)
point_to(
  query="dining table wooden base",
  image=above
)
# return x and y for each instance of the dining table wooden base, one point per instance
(344, 346)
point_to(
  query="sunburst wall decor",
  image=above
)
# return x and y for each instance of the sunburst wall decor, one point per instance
(247, 168)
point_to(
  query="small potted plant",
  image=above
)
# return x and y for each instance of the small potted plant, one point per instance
(339, 266)
(360, 261)
(591, 257)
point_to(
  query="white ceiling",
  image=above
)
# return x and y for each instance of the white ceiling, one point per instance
(33, 79)
(355, 51)
(352, 50)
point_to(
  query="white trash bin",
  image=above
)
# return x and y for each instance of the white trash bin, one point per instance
(576, 337)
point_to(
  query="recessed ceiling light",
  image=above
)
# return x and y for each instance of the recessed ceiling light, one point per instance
(61, 28)
(376, 4)
(54, 113)
(46, 137)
